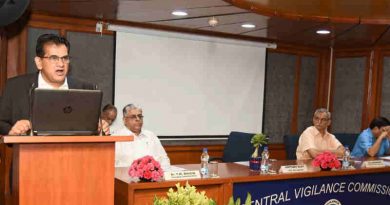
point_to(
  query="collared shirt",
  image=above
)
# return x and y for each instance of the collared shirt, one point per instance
(146, 143)
(43, 84)
(365, 141)
(311, 138)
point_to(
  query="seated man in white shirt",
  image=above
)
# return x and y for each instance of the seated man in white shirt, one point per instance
(145, 142)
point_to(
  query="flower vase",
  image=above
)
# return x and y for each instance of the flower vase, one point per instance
(254, 163)
(326, 169)
(141, 179)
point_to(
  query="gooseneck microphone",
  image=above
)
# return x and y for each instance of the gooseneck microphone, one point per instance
(101, 132)
(31, 102)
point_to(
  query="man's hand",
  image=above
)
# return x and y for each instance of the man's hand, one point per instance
(21, 127)
(105, 127)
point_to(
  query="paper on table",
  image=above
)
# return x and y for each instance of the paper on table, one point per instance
(245, 163)
(174, 168)
(385, 157)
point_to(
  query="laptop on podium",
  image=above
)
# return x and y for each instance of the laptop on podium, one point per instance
(65, 112)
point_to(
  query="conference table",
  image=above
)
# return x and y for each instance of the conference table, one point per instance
(356, 185)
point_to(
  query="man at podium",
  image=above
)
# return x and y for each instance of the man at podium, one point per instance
(52, 60)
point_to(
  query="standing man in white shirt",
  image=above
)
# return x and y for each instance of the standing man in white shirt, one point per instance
(145, 142)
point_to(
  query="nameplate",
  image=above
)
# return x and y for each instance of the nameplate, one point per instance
(292, 169)
(187, 174)
(373, 164)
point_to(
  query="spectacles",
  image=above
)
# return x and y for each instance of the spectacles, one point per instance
(321, 119)
(133, 117)
(56, 59)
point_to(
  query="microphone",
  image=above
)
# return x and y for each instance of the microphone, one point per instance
(31, 102)
(101, 132)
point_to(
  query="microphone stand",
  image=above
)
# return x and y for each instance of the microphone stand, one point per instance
(32, 88)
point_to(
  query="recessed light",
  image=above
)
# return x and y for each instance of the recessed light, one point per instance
(248, 25)
(179, 13)
(323, 32)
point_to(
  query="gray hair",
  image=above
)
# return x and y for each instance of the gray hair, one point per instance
(129, 107)
(323, 110)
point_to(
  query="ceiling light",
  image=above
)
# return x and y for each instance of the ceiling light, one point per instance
(323, 32)
(213, 21)
(179, 13)
(248, 25)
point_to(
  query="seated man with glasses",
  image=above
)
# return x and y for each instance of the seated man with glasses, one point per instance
(52, 61)
(316, 139)
(145, 142)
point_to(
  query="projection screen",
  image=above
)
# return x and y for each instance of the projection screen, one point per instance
(189, 85)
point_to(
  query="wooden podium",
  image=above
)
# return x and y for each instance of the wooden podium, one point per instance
(59, 170)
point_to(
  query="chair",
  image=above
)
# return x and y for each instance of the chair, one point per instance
(238, 147)
(291, 144)
(347, 139)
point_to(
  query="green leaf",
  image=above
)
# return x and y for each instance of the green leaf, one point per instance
(259, 140)
(238, 202)
(231, 201)
(248, 200)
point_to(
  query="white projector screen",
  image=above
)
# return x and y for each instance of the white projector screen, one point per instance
(190, 85)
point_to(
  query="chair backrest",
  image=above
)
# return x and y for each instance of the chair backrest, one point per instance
(238, 147)
(347, 139)
(291, 144)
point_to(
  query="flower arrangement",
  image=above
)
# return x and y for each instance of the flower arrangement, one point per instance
(326, 160)
(146, 169)
(184, 195)
(257, 141)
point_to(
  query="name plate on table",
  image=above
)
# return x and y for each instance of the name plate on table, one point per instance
(187, 174)
(373, 164)
(292, 169)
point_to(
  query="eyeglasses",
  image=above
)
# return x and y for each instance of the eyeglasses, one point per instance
(133, 117)
(321, 119)
(56, 59)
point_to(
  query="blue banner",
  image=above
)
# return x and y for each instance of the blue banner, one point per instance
(327, 190)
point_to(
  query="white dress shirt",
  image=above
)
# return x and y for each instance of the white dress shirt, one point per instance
(146, 143)
(43, 84)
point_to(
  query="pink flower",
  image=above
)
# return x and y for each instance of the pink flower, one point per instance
(146, 168)
(326, 160)
(147, 174)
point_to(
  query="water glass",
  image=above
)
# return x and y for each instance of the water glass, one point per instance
(213, 169)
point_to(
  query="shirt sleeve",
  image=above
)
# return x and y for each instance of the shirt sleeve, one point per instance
(6, 110)
(160, 153)
(334, 142)
(364, 144)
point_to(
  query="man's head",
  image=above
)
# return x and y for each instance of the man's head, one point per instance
(321, 119)
(133, 118)
(52, 58)
(109, 113)
(378, 125)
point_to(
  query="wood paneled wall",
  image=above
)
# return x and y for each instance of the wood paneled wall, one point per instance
(13, 43)
(371, 102)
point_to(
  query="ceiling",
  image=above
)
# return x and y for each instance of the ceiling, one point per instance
(353, 23)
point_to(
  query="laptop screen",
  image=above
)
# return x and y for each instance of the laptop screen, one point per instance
(65, 112)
